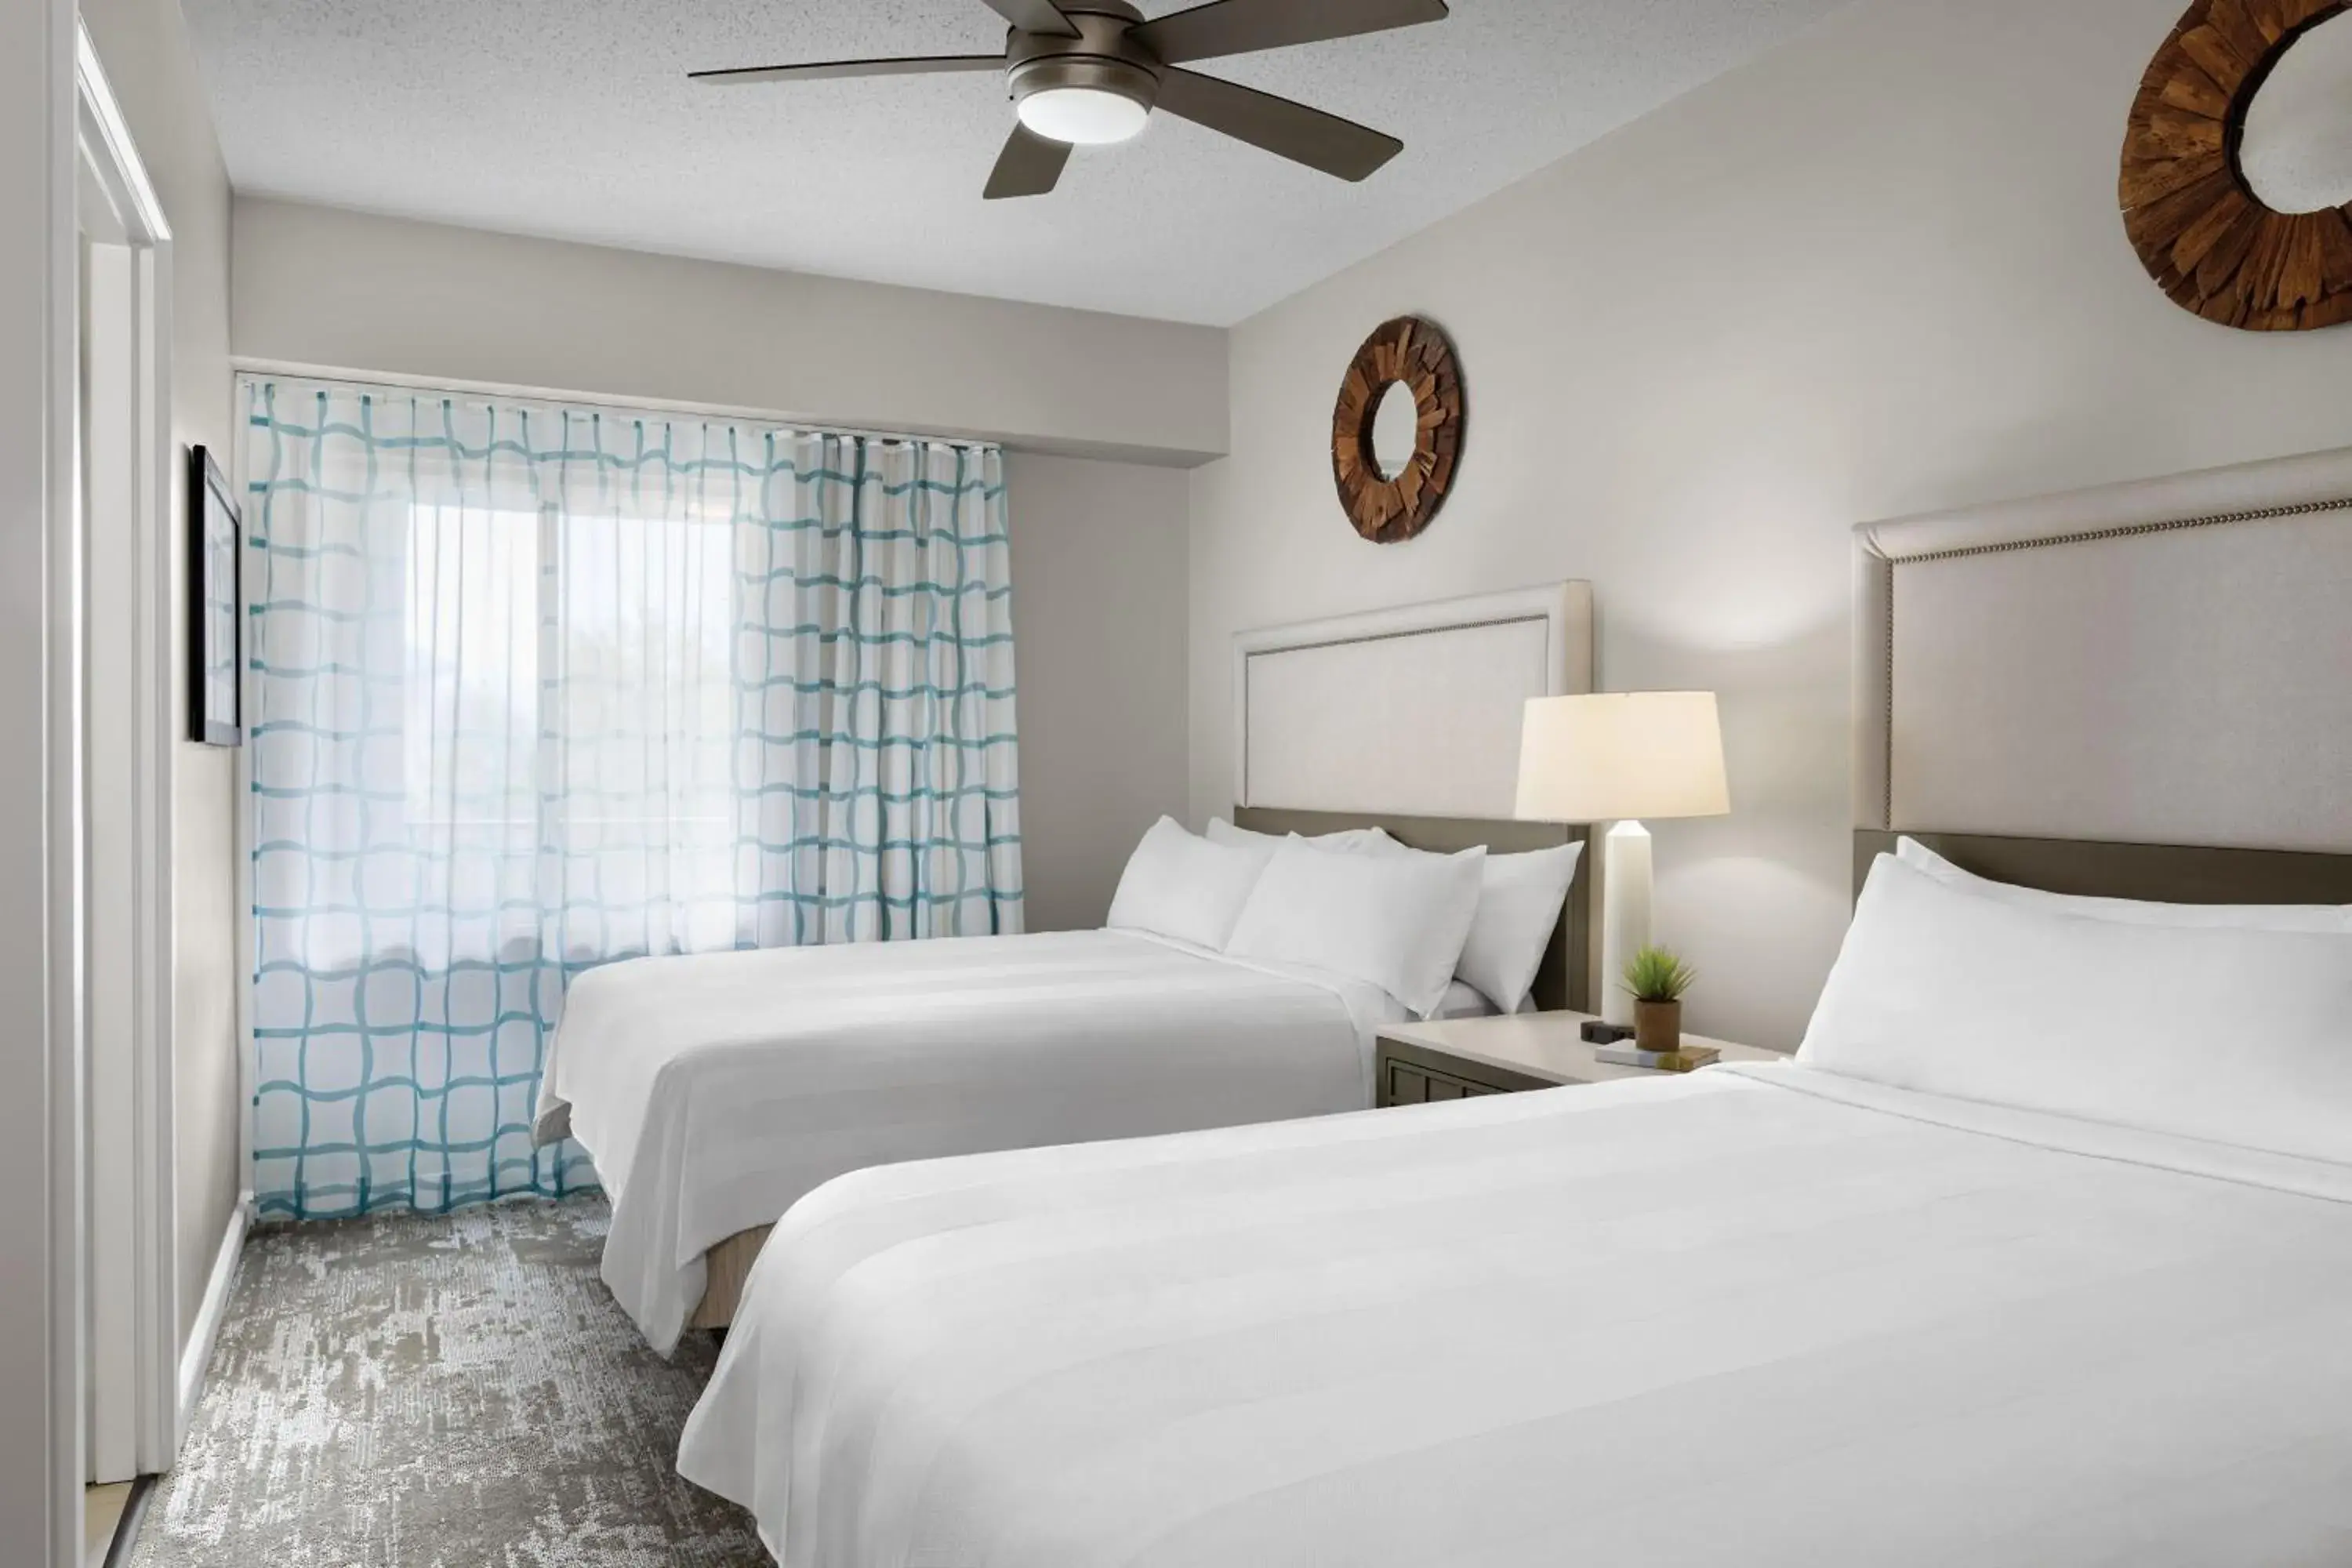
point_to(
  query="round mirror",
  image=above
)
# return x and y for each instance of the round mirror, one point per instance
(2296, 153)
(1396, 429)
(2238, 161)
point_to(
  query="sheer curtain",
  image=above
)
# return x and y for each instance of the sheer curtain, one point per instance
(533, 688)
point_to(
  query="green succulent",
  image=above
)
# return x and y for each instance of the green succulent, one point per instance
(1654, 975)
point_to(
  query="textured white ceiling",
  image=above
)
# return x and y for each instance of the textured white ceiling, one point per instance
(572, 119)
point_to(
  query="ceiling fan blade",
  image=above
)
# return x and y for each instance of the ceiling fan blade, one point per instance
(837, 71)
(1034, 16)
(1244, 26)
(1030, 166)
(1285, 129)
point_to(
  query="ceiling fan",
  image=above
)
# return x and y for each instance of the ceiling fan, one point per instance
(1089, 72)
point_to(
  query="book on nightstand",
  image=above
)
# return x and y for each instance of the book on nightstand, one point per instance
(1690, 1059)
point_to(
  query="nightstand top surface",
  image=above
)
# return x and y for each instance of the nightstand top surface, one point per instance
(1543, 1045)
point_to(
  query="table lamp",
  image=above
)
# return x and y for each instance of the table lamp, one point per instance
(1617, 758)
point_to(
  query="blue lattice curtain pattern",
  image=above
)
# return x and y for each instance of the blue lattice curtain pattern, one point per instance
(533, 688)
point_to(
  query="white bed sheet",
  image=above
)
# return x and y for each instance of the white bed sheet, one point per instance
(1754, 1317)
(712, 1091)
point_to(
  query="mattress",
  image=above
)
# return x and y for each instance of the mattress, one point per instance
(714, 1090)
(1757, 1316)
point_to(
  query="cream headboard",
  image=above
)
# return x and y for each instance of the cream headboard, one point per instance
(2167, 662)
(1414, 711)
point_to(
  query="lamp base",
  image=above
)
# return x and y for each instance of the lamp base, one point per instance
(1625, 872)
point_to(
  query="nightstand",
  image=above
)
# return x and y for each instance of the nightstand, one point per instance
(1466, 1056)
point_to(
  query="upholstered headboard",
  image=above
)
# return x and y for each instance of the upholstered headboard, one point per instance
(1408, 720)
(2158, 664)
(1414, 710)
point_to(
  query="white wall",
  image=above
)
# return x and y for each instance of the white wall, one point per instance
(335, 290)
(1099, 629)
(1878, 271)
(144, 46)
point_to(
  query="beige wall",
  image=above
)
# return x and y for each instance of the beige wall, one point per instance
(144, 48)
(1875, 272)
(1098, 627)
(336, 289)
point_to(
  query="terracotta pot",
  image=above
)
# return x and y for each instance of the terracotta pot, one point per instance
(1658, 1025)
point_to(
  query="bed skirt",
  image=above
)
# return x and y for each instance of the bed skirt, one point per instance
(725, 1269)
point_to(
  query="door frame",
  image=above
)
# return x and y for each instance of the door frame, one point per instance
(121, 677)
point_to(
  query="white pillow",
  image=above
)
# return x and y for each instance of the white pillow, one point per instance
(1519, 900)
(2251, 917)
(1354, 839)
(1181, 886)
(1398, 921)
(1464, 1000)
(2227, 1034)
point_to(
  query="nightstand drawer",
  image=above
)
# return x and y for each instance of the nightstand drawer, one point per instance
(1411, 1083)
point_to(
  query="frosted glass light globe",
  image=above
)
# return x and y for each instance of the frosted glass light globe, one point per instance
(1083, 116)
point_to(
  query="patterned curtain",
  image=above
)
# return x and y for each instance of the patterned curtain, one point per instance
(533, 688)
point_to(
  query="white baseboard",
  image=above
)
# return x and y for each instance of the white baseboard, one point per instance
(199, 1353)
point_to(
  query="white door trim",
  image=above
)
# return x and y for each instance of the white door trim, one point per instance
(131, 669)
(108, 481)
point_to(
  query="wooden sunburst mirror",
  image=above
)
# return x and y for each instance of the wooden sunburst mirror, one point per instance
(1414, 352)
(2212, 244)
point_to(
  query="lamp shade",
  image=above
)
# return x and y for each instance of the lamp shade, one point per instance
(1621, 757)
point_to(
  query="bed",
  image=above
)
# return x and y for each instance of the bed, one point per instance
(1997, 1273)
(1600, 1325)
(712, 1091)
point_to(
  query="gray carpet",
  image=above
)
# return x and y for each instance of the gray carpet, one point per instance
(459, 1393)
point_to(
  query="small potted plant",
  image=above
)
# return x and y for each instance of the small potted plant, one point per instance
(1656, 980)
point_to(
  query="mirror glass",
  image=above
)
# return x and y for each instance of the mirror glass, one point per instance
(1396, 429)
(2297, 151)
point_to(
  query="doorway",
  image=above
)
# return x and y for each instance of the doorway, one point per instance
(111, 755)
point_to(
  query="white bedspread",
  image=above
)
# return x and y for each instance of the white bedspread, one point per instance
(1754, 1317)
(713, 1091)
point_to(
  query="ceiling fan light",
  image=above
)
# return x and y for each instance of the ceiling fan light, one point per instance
(1083, 116)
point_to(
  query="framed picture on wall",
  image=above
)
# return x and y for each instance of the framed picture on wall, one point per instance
(215, 538)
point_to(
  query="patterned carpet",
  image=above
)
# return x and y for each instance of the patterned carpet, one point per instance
(458, 1393)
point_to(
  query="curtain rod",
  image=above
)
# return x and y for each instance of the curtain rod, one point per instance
(246, 364)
